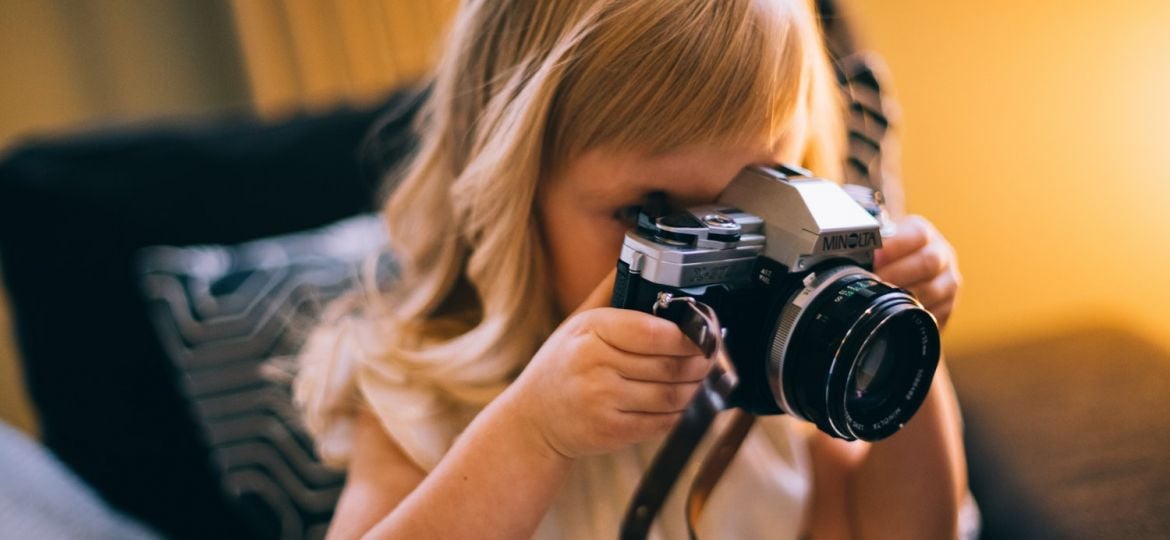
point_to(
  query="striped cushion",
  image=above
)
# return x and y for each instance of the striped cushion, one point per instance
(232, 319)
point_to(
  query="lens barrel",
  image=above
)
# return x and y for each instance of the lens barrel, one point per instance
(852, 354)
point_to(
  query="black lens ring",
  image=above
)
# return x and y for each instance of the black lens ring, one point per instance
(894, 309)
(847, 356)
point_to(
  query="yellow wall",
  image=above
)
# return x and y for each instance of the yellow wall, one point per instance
(315, 53)
(67, 63)
(1037, 137)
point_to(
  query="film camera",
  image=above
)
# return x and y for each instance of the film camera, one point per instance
(785, 261)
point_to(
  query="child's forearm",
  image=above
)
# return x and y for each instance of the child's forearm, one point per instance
(497, 481)
(912, 484)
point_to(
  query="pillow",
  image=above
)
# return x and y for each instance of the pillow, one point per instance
(232, 319)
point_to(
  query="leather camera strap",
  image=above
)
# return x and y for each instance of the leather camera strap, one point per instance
(715, 463)
(697, 321)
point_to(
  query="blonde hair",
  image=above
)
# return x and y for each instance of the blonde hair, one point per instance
(526, 86)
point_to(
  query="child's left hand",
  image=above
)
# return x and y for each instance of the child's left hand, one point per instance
(919, 259)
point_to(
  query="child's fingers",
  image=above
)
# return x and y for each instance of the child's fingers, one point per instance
(920, 266)
(649, 425)
(638, 333)
(662, 369)
(942, 312)
(656, 398)
(937, 293)
(914, 232)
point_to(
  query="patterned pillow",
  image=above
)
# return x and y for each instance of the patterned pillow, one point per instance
(232, 318)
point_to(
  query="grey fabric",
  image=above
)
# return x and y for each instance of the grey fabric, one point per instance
(40, 498)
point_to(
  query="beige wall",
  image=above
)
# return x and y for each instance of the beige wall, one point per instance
(1038, 139)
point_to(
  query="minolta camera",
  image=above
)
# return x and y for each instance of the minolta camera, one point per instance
(785, 260)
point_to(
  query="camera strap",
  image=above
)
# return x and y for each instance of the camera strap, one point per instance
(715, 464)
(700, 323)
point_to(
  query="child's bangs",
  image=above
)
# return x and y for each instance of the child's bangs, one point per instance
(655, 76)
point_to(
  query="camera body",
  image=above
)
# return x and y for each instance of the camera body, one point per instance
(785, 260)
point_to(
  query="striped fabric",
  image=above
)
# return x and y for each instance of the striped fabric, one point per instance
(232, 319)
(872, 158)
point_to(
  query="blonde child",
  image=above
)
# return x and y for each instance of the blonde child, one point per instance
(492, 393)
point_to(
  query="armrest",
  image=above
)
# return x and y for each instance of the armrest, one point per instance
(1068, 435)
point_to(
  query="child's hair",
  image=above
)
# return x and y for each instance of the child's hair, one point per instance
(526, 86)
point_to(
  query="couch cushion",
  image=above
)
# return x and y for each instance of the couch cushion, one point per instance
(232, 319)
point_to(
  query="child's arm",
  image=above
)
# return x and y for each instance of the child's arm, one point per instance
(606, 379)
(380, 475)
(497, 481)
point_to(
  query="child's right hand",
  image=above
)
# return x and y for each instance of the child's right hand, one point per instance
(608, 378)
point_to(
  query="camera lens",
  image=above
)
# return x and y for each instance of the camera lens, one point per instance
(872, 382)
(852, 354)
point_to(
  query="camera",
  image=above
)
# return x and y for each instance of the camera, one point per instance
(785, 260)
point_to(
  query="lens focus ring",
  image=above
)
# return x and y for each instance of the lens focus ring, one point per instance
(814, 284)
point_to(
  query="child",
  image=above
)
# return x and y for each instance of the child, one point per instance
(492, 393)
